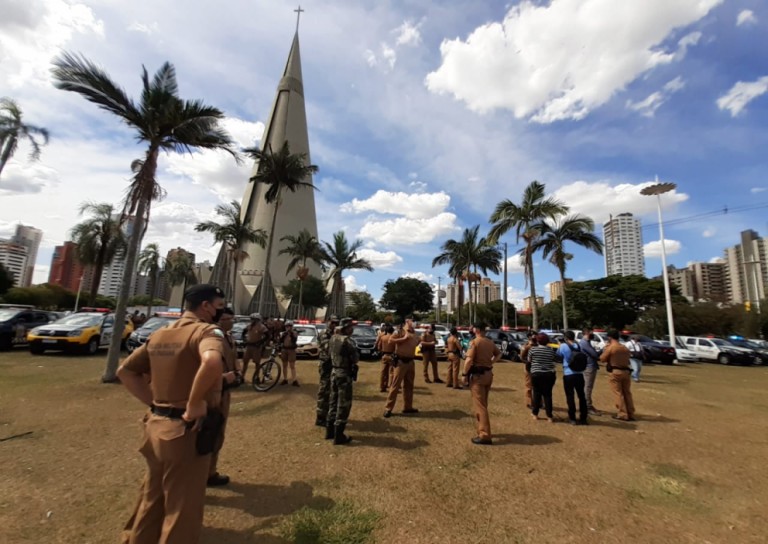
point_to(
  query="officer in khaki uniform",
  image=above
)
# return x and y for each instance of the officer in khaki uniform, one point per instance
(405, 341)
(184, 363)
(478, 370)
(256, 337)
(344, 359)
(453, 349)
(428, 354)
(324, 368)
(385, 346)
(288, 344)
(616, 356)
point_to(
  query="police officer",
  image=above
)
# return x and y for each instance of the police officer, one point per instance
(256, 337)
(344, 360)
(184, 363)
(478, 370)
(453, 349)
(325, 367)
(385, 346)
(405, 341)
(429, 355)
(288, 343)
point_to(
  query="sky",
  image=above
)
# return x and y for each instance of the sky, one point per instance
(422, 116)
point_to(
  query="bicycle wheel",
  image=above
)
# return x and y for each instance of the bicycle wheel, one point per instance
(266, 376)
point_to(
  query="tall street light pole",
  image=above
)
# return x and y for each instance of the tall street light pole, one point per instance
(77, 299)
(659, 189)
(504, 292)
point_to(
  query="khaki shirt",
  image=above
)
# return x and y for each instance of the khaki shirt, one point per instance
(172, 357)
(524, 352)
(616, 354)
(407, 348)
(453, 346)
(428, 342)
(482, 352)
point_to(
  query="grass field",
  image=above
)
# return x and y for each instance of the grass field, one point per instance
(692, 469)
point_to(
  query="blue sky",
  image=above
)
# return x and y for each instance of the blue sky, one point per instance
(422, 116)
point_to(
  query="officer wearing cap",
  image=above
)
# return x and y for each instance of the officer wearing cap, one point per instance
(344, 361)
(256, 337)
(288, 344)
(184, 363)
(324, 368)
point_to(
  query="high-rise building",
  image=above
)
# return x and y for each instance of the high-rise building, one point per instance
(176, 292)
(684, 280)
(486, 291)
(112, 274)
(710, 281)
(556, 289)
(527, 307)
(30, 238)
(454, 295)
(623, 240)
(747, 270)
(66, 269)
(13, 257)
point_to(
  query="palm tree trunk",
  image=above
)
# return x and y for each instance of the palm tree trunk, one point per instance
(459, 299)
(113, 357)
(532, 284)
(152, 287)
(234, 285)
(562, 299)
(264, 277)
(98, 268)
(301, 288)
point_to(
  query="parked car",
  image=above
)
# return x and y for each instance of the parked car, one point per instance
(465, 337)
(141, 335)
(364, 338)
(655, 351)
(439, 344)
(86, 331)
(307, 344)
(509, 347)
(16, 322)
(762, 352)
(717, 349)
(238, 329)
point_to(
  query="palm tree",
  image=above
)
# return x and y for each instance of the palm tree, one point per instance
(551, 242)
(281, 171)
(150, 264)
(301, 248)
(13, 129)
(233, 232)
(339, 257)
(453, 255)
(161, 120)
(179, 269)
(523, 218)
(99, 238)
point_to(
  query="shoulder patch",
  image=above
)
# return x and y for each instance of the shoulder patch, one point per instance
(218, 332)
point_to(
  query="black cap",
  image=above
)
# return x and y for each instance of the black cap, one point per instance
(334, 319)
(345, 322)
(197, 294)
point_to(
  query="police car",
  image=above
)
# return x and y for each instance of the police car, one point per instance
(87, 330)
(142, 334)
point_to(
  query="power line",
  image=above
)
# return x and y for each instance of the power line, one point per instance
(723, 211)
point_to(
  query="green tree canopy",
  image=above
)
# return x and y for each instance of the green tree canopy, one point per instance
(363, 307)
(6, 280)
(407, 295)
(314, 293)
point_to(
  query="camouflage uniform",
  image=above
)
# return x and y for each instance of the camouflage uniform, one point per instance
(344, 360)
(324, 368)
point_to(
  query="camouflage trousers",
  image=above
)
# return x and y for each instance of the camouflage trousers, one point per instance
(324, 391)
(341, 396)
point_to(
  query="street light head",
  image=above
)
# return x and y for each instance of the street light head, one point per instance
(658, 189)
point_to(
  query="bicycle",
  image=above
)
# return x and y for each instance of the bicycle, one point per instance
(267, 374)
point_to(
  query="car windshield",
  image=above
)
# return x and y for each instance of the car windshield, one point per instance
(364, 331)
(641, 338)
(305, 331)
(719, 342)
(5, 315)
(154, 323)
(81, 320)
(239, 326)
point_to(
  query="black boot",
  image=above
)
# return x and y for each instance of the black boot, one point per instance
(340, 438)
(320, 422)
(330, 431)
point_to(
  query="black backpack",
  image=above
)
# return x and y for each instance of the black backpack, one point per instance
(578, 362)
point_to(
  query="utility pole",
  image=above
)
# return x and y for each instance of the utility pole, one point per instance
(504, 292)
(437, 313)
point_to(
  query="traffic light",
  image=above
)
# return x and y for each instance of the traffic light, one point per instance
(748, 306)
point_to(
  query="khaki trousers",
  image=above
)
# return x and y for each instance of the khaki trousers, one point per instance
(225, 401)
(480, 386)
(621, 385)
(430, 357)
(173, 492)
(252, 353)
(528, 389)
(454, 362)
(405, 373)
(386, 371)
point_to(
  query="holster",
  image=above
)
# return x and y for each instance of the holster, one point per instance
(209, 431)
(608, 367)
(354, 371)
(395, 360)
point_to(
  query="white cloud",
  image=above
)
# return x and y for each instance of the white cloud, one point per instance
(379, 259)
(350, 284)
(559, 60)
(27, 177)
(755, 190)
(648, 107)
(746, 17)
(717, 260)
(600, 199)
(408, 34)
(709, 232)
(404, 231)
(516, 296)
(142, 28)
(741, 94)
(389, 55)
(41, 273)
(412, 206)
(515, 264)
(420, 276)
(652, 250)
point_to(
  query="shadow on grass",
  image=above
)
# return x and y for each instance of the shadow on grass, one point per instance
(608, 421)
(524, 440)
(375, 426)
(444, 414)
(221, 535)
(385, 442)
(263, 501)
(656, 419)
(663, 381)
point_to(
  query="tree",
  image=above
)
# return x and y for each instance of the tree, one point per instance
(363, 307)
(407, 295)
(315, 295)
(533, 209)
(161, 120)
(340, 257)
(281, 171)
(150, 264)
(301, 248)
(99, 238)
(551, 242)
(179, 269)
(146, 300)
(234, 233)
(13, 129)
(6, 280)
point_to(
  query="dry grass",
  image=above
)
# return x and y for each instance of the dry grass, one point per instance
(691, 470)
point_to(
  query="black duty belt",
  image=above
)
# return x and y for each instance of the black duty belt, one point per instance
(167, 411)
(623, 369)
(387, 352)
(405, 359)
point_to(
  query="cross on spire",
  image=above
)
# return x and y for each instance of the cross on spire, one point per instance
(298, 13)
